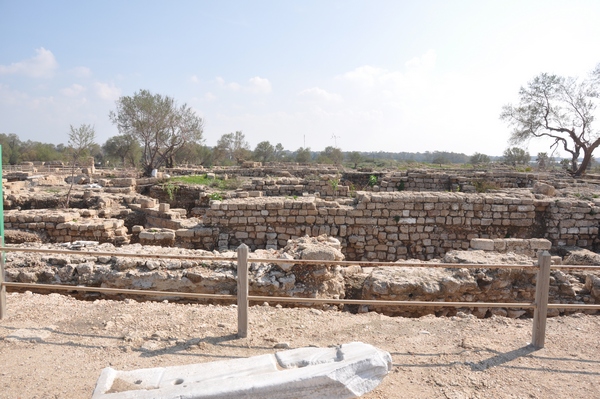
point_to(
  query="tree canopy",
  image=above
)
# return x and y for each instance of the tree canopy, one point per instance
(264, 152)
(80, 142)
(303, 155)
(516, 156)
(232, 148)
(160, 126)
(123, 148)
(331, 155)
(562, 109)
(478, 158)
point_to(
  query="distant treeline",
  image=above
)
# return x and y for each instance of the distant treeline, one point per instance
(233, 149)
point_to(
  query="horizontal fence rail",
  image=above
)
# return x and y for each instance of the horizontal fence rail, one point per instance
(540, 305)
(251, 260)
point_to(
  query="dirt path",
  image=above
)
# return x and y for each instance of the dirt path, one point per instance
(52, 346)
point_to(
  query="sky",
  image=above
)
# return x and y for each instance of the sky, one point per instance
(414, 76)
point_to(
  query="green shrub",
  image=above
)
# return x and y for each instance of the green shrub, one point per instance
(216, 196)
(170, 189)
(373, 180)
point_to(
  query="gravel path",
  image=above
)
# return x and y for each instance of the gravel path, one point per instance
(54, 346)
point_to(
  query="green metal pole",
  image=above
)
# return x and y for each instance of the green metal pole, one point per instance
(2, 287)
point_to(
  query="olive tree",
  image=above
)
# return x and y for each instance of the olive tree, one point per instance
(303, 155)
(355, 158)
(562, 109)
(161, 126)
(123, 148)
(331, 155)
(478, 158)
(264, 152)
(81, 140)
(232, 148)
(516, 156)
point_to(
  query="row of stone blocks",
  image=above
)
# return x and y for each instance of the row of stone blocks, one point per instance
(530, 247)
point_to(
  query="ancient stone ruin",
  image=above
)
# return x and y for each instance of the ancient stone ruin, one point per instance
(486, 217)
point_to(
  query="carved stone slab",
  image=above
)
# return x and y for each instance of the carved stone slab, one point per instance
(346, 371)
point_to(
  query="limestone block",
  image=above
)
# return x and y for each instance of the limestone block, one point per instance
(483, 244)
(184, 233)
(164, 207)
(241, 235)
(347, 371)
(540, 244)
(123, 182)
(165, 235)
(146, 203)
(146, 235)
(545, 189)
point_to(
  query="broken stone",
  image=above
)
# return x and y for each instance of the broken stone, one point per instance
(346, 371)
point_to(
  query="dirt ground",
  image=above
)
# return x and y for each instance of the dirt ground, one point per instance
(54, 346)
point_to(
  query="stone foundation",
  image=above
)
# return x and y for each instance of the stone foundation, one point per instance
(353, 282)
(69, 226)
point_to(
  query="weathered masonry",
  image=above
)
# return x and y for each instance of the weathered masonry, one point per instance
(398, 225)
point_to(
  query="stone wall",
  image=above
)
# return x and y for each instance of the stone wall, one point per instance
(326, 185)
(400, 225)
(462, 181)
(68, 226)
(286, 169)
(408, 180)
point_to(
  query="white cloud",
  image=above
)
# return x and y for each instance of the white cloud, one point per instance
(425, 62)
(370, 77)
(194, 79)
(320, 94)
(231, 86)
(209, 96)
(73, 90)
(255, 85)
(81, 72)
(40, 66)
(365, 75)
(107, 91)
(259, 85)
(9, 96)
(416, 72)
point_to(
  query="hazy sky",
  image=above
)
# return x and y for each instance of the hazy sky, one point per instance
(365, 75)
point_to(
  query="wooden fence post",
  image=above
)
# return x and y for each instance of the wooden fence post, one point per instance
(242, 290)
(540, 313)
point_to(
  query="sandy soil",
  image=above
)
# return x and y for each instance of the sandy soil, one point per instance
(53, 346)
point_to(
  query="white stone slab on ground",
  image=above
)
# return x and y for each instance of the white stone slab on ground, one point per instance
(346, 371)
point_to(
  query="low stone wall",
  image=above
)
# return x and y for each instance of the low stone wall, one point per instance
(123, 185)
(286, 169)
(326, 185)
(529, 247)
(343, 183)
(161, 216)
(403, 225)
(463, 180)
(69, 226)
